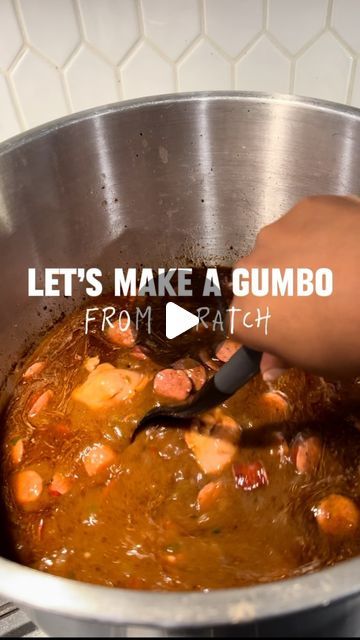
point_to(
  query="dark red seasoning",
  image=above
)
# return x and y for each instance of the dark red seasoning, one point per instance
(250, 476)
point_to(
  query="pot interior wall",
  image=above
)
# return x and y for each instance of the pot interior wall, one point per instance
(161, 183)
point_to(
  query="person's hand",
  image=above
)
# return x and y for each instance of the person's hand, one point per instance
(317, 334)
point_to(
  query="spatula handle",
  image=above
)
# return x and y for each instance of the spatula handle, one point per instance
(241, 367)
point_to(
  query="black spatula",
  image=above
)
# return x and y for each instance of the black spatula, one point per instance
(233, 375)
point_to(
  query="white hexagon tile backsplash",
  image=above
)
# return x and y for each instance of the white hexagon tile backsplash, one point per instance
(61, 56)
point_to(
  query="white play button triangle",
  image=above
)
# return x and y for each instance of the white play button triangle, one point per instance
(178, 320)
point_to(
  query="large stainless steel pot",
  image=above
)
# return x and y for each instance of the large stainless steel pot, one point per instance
(158, 181)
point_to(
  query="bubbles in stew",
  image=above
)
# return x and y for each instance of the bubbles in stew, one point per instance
(265, 487)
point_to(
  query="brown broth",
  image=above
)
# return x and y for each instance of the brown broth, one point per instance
(137, 523)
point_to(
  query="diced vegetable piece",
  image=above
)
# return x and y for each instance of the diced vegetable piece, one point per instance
(280, 447)
(41, 403)
(207, 360)
(109, 486)
(250, 476)
(62, 428)
(276, 405)
(194, 370)
(60, 485)
(212, 454)
(170, 558)
(226, 349)
(306, 454)
(40, 528)
(17, 451)
(208, 496)
(97, 458)
(106, 386)
(221, 425)
(228, 423)
(122, 333)
(208, 419)
(33, 370)
(138, 353)
(337, 516)
(90, 364)
(174, 559)
(173, 384)
(28, 486)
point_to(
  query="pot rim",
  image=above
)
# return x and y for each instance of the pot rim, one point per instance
(254, 97)
(182, 609)
(244, 605)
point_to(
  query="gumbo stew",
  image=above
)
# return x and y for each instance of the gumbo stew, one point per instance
(265, 487)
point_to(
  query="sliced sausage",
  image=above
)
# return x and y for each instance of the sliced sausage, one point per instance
(306, 454)
(121, 334)
(337, 516)
(275, 405)
(226, 349)
(212, 454)
(97, 458)
(194, 370)
(28, 486)
(250, 476)
(173, 384)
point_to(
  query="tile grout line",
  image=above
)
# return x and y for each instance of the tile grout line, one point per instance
(351, 80)
(21, 53)
(200, 10)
